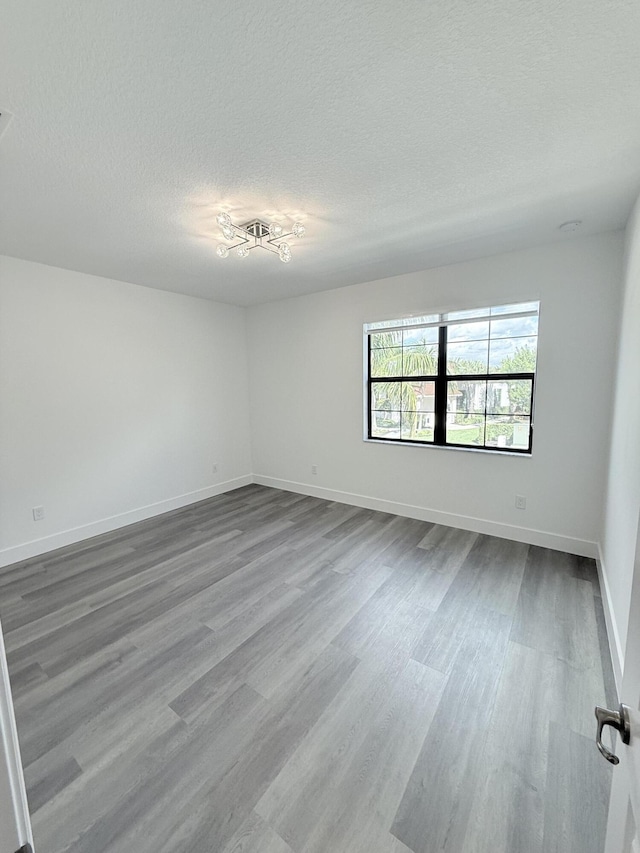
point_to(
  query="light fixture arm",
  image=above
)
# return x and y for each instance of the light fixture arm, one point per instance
(269, 248)
(242, 242)
(274, 240)
(256, 232)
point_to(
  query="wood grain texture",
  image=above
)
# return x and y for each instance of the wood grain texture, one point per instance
(265, 672)
(449, 765)
(256, 836)
(573, 816)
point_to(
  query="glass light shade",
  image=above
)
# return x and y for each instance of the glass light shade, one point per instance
(224, 219)
(284, 253)
(298, 229)
(222, 251)
(242, 252)
(275, 229)
(228, 233)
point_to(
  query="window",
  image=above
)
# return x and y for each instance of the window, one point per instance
(462, 379)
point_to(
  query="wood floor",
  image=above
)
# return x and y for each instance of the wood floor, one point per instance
(270, 673)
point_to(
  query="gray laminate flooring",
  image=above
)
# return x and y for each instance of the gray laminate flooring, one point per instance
(271, 673)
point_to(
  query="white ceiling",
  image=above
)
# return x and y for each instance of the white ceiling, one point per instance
(404, 134)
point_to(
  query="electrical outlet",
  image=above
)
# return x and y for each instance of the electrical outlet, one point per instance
(214, 468)
(314, 469)
(38, 513)
(521, 502)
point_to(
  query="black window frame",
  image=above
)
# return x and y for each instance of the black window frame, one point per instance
(442, 379)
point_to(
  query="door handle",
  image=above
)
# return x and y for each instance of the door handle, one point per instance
(620, 722)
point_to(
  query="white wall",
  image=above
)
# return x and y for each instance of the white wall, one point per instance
(306, 380)
(115, 401)
(623, 491)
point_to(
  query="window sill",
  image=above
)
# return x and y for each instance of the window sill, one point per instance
(484, 451)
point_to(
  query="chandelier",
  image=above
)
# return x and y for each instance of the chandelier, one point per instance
(256, 234)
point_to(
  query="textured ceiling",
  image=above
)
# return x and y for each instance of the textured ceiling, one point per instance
(404, 134)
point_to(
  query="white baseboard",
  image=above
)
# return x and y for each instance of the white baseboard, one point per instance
(615, 646)
(106, 525)
(555, 541)
(478, 525)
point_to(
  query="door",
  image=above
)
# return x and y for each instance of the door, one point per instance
(15, 827)
(623, 829)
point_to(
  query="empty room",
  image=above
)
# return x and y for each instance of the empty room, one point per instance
(320, 427)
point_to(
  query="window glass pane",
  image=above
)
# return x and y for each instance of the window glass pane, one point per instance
(466, 396)
(465, 429)
(513, 396)
(515, 308)
(512, 355)
(480, 412)
(385, 424)
(386, 339)
(468, 331)
(508, 432)
(417, 426)
(411, 337)
(386, 395)
(418, 396)
(420, 360)
(514, 327)
(386, 362)
(467, 357)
